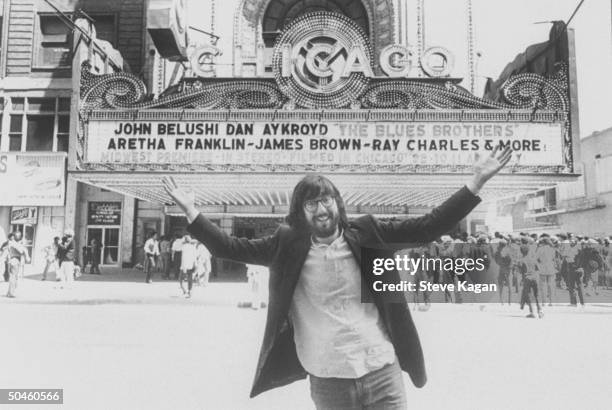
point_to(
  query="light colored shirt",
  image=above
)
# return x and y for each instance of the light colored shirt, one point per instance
(546, 259)
(16, 250)
(189, 256)
(177, 245)
(151, 247)
(335, 334)
(568, 252)
(203, 257)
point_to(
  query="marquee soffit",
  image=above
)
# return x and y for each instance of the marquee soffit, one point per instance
(252, 189)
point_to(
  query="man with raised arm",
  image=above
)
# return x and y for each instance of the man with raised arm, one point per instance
(317, 325)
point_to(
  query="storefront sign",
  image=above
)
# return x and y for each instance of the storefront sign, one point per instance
(104, 213)
(346, 143)
(24, 215)
(32, 179)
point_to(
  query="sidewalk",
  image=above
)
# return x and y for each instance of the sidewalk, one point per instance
(123, 286)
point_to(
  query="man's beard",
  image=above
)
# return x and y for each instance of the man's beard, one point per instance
(324, 224)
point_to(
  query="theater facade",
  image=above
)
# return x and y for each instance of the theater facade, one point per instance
(348, 89)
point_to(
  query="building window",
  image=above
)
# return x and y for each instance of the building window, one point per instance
(52, 38)
(40, 133)
(15, 132)
(536, 203)
(53, 35)
(603, 169)
(106, 27)
(39, 124)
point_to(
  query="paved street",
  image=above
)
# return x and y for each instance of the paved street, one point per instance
(113, 342)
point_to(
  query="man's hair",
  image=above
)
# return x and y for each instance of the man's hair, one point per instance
(310, 187)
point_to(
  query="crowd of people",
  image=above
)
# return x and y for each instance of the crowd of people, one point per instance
(59, 257)
(187, 259)
(534, 267)
(182, 257)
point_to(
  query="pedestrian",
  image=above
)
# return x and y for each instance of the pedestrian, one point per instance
(529, 268)
(545, 258)
(5, 259)
(66, 258)
(164, 253)
(17, 255)
(354, 352)
(514, 251)
(203, 265)
(17, 237)
(188, 264)
(256, 276)
(572, 273)
(151, 249)
(177, 252)
(95, 253)
(589, 259)
(608, 263)
(503, 259)
(51, 262)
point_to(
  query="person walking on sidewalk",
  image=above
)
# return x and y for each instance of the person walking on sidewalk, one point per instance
(17, 254)
(571, 272)
(188, 264)
(151, 248)
(177, 253)
(51, 262)
(203, 265)
(354, 352)
(529, 268)
(66, 257)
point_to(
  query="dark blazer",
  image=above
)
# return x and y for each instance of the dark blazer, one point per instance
(284, 253)
(65, 251)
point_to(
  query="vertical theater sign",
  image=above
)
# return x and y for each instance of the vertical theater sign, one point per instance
(388, 123)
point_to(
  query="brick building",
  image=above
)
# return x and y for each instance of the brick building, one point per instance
(36, 91)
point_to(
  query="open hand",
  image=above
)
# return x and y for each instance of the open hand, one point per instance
(488, 166)
(184, 198)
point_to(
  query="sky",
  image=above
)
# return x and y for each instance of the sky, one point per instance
(512, 23)
(503, 29)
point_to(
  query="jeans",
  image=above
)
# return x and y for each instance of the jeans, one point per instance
(13, 277)
(380, 389)
(528, 286)
(165, 262)
(187, 274)
(177, 264)
(149, 264)
(574, 284)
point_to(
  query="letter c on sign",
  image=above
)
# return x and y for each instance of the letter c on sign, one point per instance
(437, 62)
(203, 60)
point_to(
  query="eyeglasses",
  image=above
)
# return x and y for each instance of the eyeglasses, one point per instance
(312, 204)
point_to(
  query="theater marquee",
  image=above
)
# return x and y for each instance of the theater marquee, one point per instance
(317, 143)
